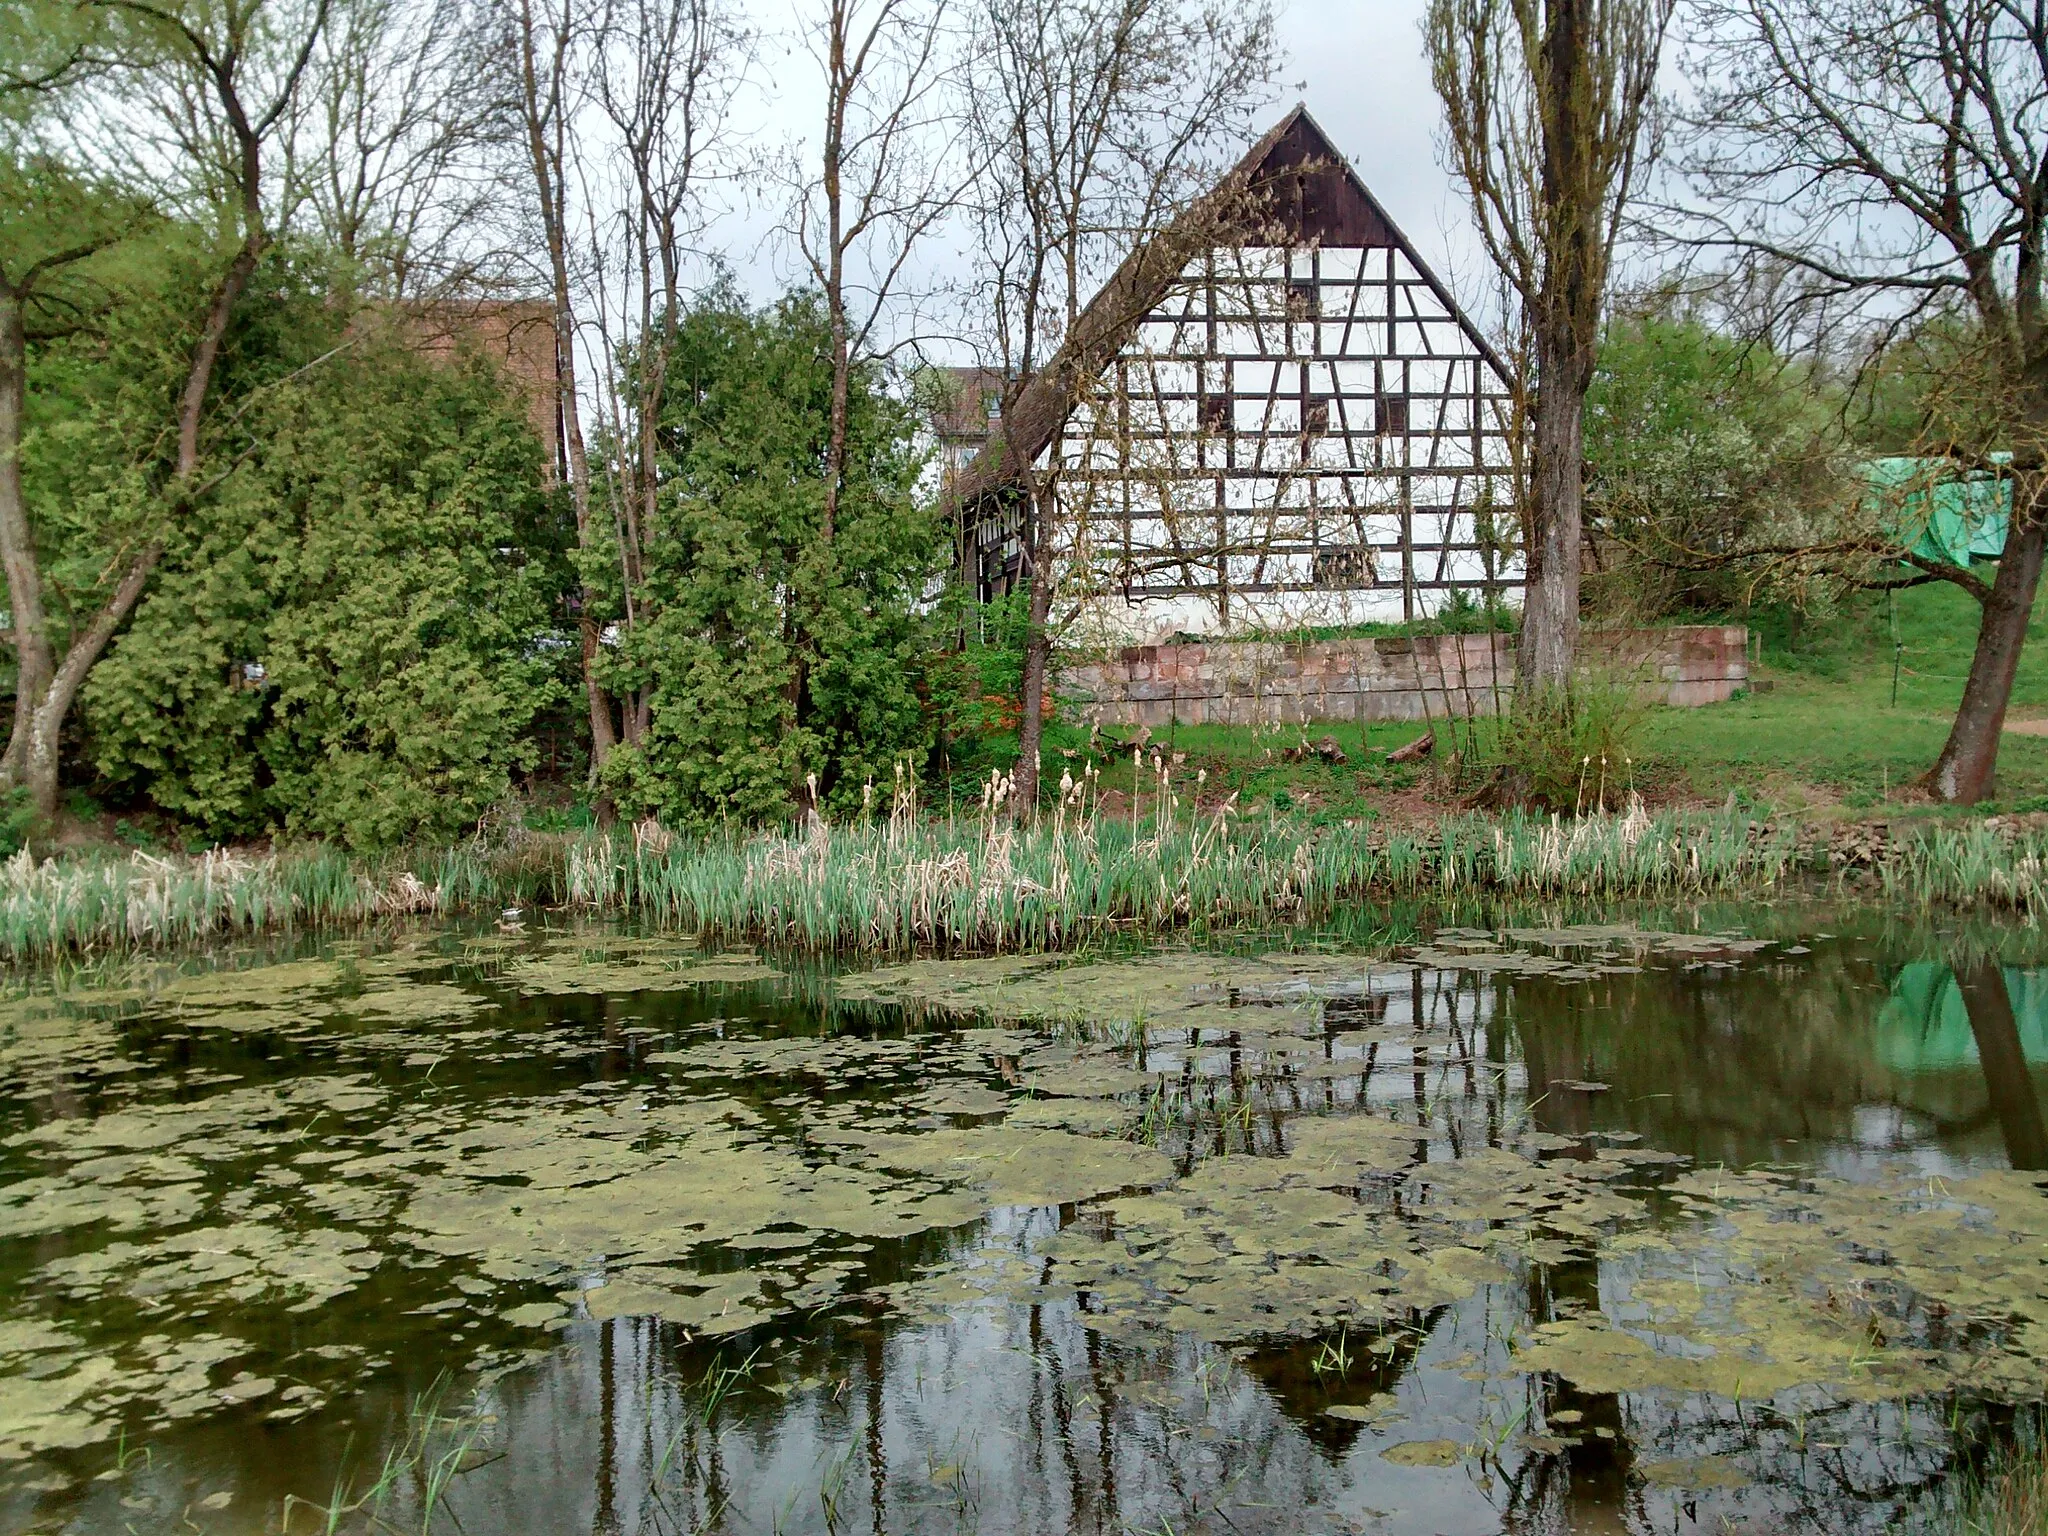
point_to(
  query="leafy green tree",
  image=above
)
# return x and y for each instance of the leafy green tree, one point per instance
(356, 634)
(220, 80)
(747, 699)
(1700, 447)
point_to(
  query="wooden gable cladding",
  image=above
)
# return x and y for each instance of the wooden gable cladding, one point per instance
(1310, 195)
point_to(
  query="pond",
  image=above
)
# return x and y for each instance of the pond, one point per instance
(1672, 1220)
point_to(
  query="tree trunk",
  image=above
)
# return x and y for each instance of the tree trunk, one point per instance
(46, 726)
(17, 546)
(1550, 612)
(835, 438)
(541, 106)
(839, 93)
(1037, 658)
(2004, 1063)
(1569, 208)
(602, 735)
(1967, 767)
(1550, 608)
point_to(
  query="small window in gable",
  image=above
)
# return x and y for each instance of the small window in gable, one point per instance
(1216, 414)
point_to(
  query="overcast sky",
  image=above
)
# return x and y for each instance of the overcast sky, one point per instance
(1357, 64)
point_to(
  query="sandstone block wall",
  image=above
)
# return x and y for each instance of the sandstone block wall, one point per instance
(1251, 682)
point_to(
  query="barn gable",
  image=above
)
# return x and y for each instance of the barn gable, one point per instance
(1295, 424)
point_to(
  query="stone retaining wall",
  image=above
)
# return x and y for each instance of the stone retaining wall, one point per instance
(1250, 682)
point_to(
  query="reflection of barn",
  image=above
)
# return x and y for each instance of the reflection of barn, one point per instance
(1274, 412)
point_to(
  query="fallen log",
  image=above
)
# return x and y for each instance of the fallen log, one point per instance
(1416, 750)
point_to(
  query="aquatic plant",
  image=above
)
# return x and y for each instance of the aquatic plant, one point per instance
(980, 882)
(2004, 1495)
(441, 1441)
(97, 902)
(985, 884)
(1980, 863)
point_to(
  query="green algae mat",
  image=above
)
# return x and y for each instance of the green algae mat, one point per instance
(1616, 1225)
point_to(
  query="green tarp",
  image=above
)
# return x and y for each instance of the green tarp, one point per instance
(1937, 512)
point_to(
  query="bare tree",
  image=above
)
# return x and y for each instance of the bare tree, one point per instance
(219, 81)
(1546, 104)
(672, 69)
(1101, 124)
(1893, 154)
(387, 143)
(540, 50)
(883, 180)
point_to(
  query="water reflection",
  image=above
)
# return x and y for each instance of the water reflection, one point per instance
(1837, 1057)
(922, 1400)
(1923, 1037)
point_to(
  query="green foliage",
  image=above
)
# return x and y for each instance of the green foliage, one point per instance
(977, 688)
(59, 233)
(767, 653)
(17, 821)
(351, 637)
(98, 456)
(1570, 749)
(1699, 445)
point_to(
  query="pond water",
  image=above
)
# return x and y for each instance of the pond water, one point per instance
(1693, 1219)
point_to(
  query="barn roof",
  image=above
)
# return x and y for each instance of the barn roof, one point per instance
(1293, 187)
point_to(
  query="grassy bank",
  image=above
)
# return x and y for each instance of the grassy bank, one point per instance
(1826, 733)
(979, 883)
(1830, 727)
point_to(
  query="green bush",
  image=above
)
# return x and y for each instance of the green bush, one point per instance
(767, 653)
(1698, 444)
(353, 637)
(1571, 749)
(17, 822)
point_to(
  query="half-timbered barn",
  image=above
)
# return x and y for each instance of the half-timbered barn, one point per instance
(1273, 414)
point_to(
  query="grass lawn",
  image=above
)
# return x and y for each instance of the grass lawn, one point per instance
(1826, 731)
(1828, 727)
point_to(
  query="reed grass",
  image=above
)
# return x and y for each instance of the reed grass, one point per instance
(2013, 1501)
(986, 885)
(1972, 864)
(97, 902)
(2001, 1492)
(905, 882)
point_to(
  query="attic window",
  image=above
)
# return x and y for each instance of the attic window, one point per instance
(1302, 300)
(1390, 415)
(992, 405)
(1215, 414)
(1315, 417)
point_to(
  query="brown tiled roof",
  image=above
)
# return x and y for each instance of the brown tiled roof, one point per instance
(1291, 187)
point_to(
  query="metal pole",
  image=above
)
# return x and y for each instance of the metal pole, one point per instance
(1898, 645)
